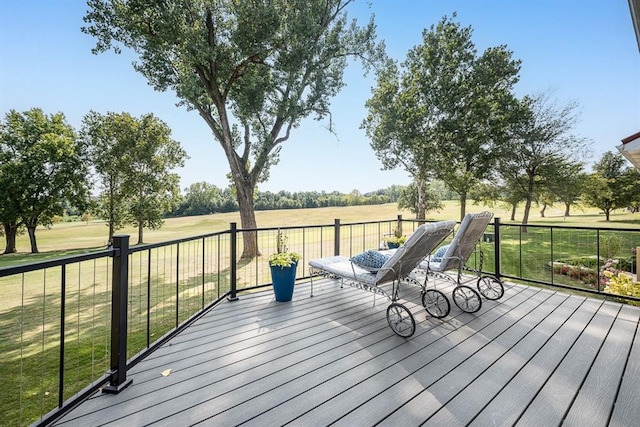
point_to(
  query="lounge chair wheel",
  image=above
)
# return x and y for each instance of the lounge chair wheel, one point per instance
(467, 299)
(436, 303)
(490, 287)
(401, 320)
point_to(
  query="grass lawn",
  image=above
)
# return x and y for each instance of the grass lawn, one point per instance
(30, 308)
(68, 238)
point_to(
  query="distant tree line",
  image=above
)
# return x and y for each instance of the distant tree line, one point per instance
(202, 198)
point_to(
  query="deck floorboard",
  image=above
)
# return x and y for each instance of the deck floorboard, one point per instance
(534, 357)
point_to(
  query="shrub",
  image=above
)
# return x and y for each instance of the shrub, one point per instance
(622, 284)
(628, 264)
(589, 262)
(610, 245)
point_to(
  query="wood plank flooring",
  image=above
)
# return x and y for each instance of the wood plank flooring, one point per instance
(534, 358)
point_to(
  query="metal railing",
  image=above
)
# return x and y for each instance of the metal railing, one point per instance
(74, 325)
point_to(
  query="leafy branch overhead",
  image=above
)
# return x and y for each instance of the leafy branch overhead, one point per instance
(252, 70)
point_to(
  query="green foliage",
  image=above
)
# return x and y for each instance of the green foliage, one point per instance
(252, 70)
(444, 110)
(588, 262)
(202, 198)
(42, 168)
(283, 258)
(622, 284)
(409, 199)
(538, 162)
(611, 245)
(133, 159)
(612, 185)
(396, 240)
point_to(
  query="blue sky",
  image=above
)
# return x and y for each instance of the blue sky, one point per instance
(582, 50)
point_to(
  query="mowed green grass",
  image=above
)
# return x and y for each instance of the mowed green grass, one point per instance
(30, 307)
(67, 238)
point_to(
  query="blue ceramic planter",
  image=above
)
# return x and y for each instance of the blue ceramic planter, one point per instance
(283, 281)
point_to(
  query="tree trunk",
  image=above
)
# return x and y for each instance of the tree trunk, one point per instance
(513, 213)
(247, 219)
(140, 232)
(111, 231)
(544, 208)
(420, 214)
(529, 200)
(607, 212)
(525, 216)
(31, 229)
(10, 232)
(463, 205)
(111, 213)
(566, 209)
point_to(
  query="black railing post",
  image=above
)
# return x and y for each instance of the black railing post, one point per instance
(496, 239)
(63, 316)
(233, 274)
(598, 259)
(177, 284)
(204, 247)
(336, 234)
(119, 300)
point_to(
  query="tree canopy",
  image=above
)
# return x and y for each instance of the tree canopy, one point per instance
(133, 159)
(444, 110)
(541, 153)
(252, 70)
(612, 185)
(42, 166)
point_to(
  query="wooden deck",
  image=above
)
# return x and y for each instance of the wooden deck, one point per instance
(534, 358)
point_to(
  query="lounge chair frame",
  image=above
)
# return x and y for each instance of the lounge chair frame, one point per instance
(460, 249)
(398, 268)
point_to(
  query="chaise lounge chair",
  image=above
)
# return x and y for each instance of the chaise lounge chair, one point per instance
(455, 257)
(370, 270)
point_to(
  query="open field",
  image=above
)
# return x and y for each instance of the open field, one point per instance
(67, 238)
(162, 295)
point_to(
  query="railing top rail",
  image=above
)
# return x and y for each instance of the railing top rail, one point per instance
(147, 246)
(57, 262)
(568, 227)
(291, 227)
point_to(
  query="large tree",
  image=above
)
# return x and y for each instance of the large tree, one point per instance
(10, 218)
(444, 111)
(133, 159)
(541, 147)
(151, 180)
(612, 185)
(409, 199)
(252, 70)
(42, 167)
(567, 183)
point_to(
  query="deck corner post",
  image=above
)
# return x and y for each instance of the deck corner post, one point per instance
(336, 234)
(119, 301)
(233, 267)
(497, 257)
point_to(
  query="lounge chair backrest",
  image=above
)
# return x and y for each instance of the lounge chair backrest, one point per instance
(465, 240)
(415, 249)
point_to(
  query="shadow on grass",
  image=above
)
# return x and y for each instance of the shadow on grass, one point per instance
(30, 337)
(10, 260)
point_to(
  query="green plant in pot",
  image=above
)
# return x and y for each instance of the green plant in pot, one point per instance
(396, 240)
(283, 266)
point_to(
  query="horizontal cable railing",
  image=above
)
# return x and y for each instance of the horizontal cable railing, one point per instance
(60, 319)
